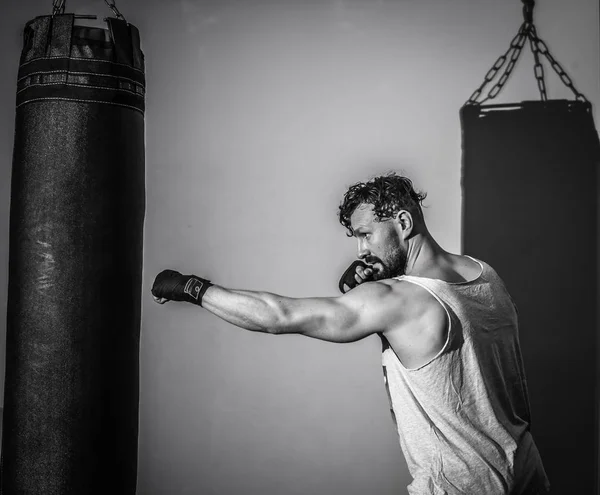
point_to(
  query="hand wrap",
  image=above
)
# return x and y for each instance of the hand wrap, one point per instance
(174, 286)
(348, 276)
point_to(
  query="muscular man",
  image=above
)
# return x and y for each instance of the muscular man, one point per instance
(451, 352)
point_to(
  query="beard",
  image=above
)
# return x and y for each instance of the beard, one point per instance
(393, 264)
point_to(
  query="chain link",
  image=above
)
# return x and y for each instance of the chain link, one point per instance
(564, 77)
(538, 68)
(58, 7)
(113, 7)
(514, 51)
(528, 10)
(527, 32)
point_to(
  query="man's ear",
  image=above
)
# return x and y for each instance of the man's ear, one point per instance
(405, 223)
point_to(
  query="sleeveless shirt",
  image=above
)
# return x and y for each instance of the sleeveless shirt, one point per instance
(463, 418)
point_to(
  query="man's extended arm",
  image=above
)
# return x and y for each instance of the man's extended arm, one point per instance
(355, 315)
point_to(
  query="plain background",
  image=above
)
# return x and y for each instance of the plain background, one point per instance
(260, 113)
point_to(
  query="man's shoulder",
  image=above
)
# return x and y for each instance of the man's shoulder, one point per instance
(412, 299)
(389, 297)
(393, 287)
(393, 294)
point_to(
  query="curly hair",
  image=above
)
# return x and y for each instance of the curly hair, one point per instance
(387, 193)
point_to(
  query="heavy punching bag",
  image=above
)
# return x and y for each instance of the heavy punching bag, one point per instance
(530, 203)
(75, 261)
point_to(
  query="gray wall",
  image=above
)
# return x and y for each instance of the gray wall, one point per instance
(259, 114)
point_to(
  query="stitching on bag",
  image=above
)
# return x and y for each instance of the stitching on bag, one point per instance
(84, 59)
(80, 74)
(82, 101)
(79, 86)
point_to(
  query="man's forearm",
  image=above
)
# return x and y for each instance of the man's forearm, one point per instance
(252, 310)
(256, 311)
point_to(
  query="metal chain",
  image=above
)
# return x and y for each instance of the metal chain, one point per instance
(538, 68)
(113, 7)
(514, 51)
(528, 10)
(564, 77)
(527, 31)
(58, 7)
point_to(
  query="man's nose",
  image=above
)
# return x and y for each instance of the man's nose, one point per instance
(363, 251)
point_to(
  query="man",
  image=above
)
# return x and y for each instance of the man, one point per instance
(451, 351)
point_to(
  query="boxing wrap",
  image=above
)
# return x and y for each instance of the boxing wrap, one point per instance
(172, 285)
(348, 276)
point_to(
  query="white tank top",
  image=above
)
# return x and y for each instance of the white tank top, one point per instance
(463, 418)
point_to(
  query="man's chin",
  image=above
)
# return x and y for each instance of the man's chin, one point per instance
(382, 273)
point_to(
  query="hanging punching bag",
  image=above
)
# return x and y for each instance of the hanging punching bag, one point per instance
(75, 261)
(530, 189)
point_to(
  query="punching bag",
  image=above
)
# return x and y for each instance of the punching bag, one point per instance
(75, 261)
(530, 188)
(530, 209)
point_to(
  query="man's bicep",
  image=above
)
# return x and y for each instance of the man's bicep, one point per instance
(351, 317)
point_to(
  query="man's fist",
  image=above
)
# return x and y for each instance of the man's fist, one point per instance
(171, 285)
(357, 273)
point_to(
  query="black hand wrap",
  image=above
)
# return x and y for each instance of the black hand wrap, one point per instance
(174, 286)
(348, 276)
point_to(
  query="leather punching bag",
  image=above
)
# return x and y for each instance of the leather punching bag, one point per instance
(75, 261)
(530, 182)
(530, 189)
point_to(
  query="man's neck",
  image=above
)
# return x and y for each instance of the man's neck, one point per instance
(423, 254)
